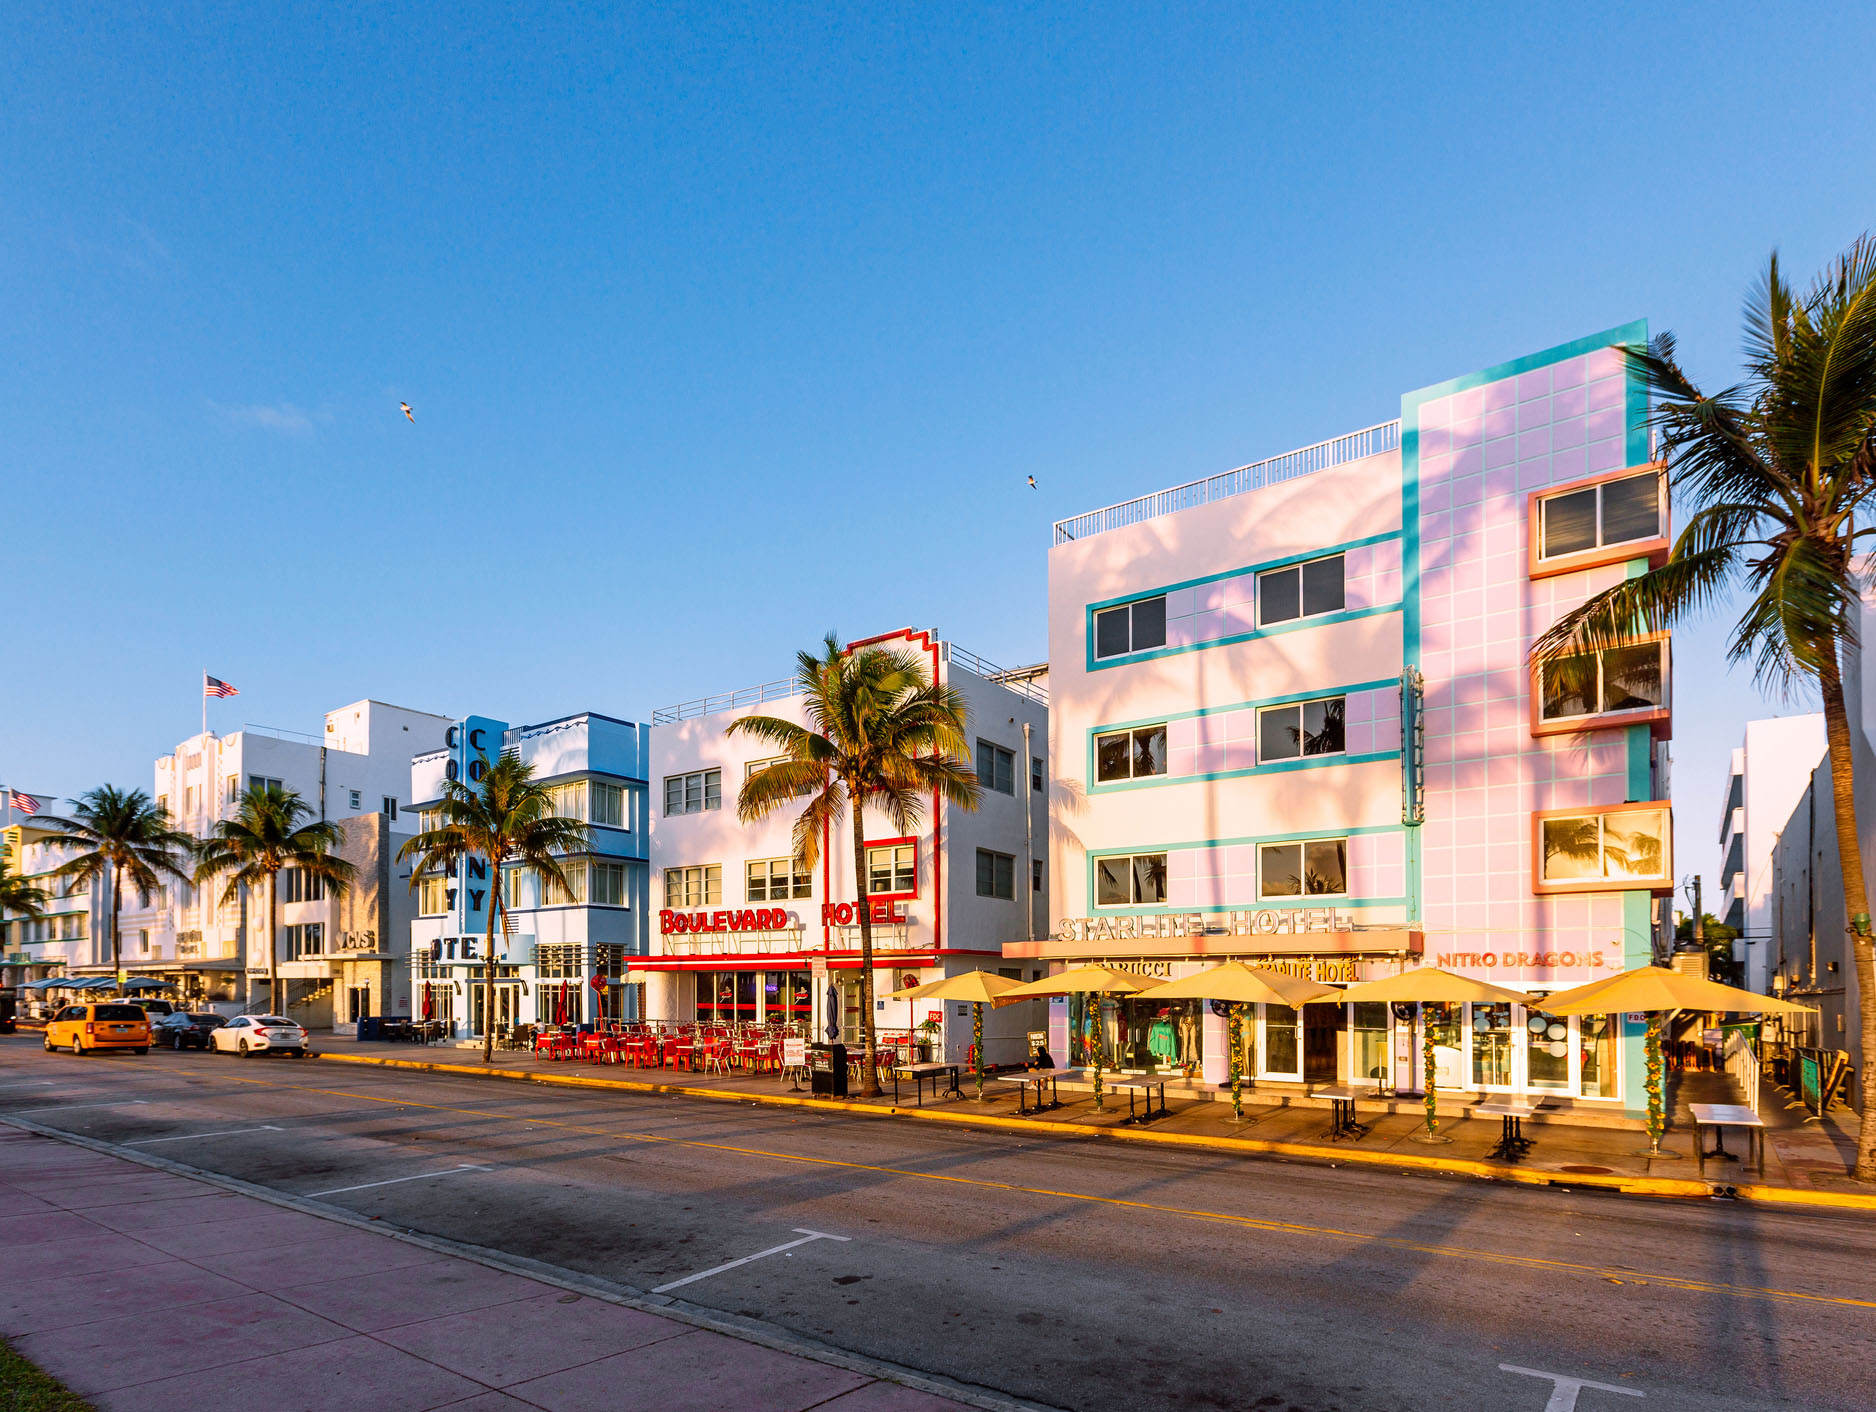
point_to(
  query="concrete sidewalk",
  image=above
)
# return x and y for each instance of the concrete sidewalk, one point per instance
(147, 1291)
(1800, 1159)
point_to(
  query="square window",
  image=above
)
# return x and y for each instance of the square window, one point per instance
(1569, 523)
(1322, 586)
(1149, 624)
(1111, 633)
(1280, 595)
(1314, 868)
(996, 767)
(996, 875)
(1631, 509)
(1113, 882)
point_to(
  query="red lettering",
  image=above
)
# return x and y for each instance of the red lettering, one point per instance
(664, 919)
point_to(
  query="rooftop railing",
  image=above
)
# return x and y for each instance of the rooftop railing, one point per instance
(1016, 679)
(1305, 460)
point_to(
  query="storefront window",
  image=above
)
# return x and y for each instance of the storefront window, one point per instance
(1600, 1064)
(1161, 1034)
(1282, 1053)
(1445, 1023)
(1368, 1027)
(1547, 1059)
(1491, 1046)
(726, 996)
(787, 995)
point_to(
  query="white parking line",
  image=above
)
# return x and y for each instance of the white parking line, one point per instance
(421, 1176)
(1563, 1389)
(185, 1137)
(30, 1083)
(63, 1107)
(806, 1236)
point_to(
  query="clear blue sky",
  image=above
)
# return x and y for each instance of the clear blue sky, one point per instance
(727, 327)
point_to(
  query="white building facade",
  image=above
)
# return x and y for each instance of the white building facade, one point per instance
(1769, 772)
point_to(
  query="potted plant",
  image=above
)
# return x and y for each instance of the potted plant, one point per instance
(928, 1030)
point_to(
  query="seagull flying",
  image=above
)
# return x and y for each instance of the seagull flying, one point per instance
(1032, 482)
(404, 407)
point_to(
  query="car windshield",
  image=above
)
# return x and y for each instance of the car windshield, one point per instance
(119, 1012)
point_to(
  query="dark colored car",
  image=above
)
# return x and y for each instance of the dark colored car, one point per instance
(185, 1029)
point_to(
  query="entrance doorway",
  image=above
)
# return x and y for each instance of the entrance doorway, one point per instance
(507, 1006)
(1323, 1026)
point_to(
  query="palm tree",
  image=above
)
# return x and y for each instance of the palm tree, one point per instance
(1776, 471)
(880, 734)
(121, 836)
(506, 818)
(20, 895)
(264, 836)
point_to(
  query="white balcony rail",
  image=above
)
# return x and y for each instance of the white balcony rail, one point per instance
(1305, 460)
(1015, 680)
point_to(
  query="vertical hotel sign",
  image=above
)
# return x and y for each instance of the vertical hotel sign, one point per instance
(474, 743)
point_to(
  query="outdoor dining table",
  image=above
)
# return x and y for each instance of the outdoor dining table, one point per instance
(1145, 1084)
(918, 1073)
(1342, 1099)
(1721, 1116)
(1512, 1143)
(1022, 1078)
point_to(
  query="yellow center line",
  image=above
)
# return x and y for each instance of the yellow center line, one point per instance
(1616, 1274)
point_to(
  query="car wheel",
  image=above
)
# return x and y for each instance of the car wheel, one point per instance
(143, 1049)
(243, 1047)
(78, 1045)
(49, 1044)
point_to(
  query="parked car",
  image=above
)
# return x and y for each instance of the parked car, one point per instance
(254, 1034)
(95, 1025)
(152, 1007)
(184, 1029)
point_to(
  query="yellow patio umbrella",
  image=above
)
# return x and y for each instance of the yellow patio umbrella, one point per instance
(1239, 985)
(1655, 991)
(1431, 986)
(1084, 980)
(980, 988)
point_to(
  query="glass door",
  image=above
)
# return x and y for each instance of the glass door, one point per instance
(1368, 1050)
(1279, 1046)
(1493, 1049)
(1547, 1056)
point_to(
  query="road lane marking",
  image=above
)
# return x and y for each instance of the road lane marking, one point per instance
(64, 1107)
(420, 1177)
(186, 1137)
(31, 1083)
(1564, 1389)
(807, 1236)
(1686, 1284)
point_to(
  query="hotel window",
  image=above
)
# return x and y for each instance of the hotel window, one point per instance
(1314, 868)
(891, 869)
(1135, 879)
(996, 875)
(262, 782)
(1625, 510)
(605, 884)
(387, 806)
(298, 885)
(756, 767)
(777, 880)
(1615, 679)
(433, 895)
(1130, 754)
(234, 788)
(608, 804)
(558, 961)
(188, 799)
(693, 793)
(357, 797)
(996, 767)
(1035, 774)
(1302, 728)
(1130, 627)
(569, 800)
(143, 940)
(513, 893)
(306, 939)
(700, 886)
(1300, 590)
(1035, 875)
(1616, 847)
(554, 894)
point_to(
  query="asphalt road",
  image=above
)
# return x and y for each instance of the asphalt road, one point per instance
(1067, 1273)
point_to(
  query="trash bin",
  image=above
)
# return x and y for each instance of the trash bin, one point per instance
(368, 1026)
(827, 1069)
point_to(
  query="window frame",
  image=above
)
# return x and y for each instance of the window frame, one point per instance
(1302, 846)
(1001, 865)
(800, 877)
(1133, 877)
(1002, 766)
(1657, 717)
(684, 871)
(879, 844)
(1661, 884)
(1126, 605)
(1654, 550)
(1302, 610)
(682, 779)
(1302, 750)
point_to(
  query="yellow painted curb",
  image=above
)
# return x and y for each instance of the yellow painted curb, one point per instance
(1527, 1176)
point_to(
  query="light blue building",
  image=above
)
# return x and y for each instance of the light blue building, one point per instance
(566, 952)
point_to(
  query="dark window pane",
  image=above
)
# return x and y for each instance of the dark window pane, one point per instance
(1111, 881)
(1280, 867)
(1279, 596)
(1110, 632)
(1111, 757)
(1322, 586)
(1572, 848)
(1149, 624)
(1323, 732)
(1325, 867)
(1631, 509)
(1149, 877)
(1569, 523)
(1569, 687)
(1279, 733)
(1006, 876)
(1149, 751)
(1631, 677)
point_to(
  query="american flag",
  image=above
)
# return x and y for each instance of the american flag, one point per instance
(215, 686)
(25, 803)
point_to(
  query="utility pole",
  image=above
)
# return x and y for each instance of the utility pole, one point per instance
(1700, 920)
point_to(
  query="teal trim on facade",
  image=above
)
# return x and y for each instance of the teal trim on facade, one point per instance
(1096, 664)
(1093, 855)
(1640, 763)
(1380, 684)
(1272, 904)
(1276, 767)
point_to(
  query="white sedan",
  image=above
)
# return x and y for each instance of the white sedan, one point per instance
(259, 1034)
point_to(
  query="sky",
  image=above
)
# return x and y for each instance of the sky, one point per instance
(727, 326)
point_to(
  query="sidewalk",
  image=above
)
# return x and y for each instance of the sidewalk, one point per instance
(1799, 1159)
(146, 1291)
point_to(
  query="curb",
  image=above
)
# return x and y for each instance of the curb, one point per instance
(1682, 1187)
(591, 1286)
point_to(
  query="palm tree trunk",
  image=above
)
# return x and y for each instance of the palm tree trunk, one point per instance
(1855, 901)
(273, 944)
(488, 966)
(869, 1084)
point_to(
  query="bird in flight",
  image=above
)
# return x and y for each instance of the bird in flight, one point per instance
(1032, 482)
(404, 407)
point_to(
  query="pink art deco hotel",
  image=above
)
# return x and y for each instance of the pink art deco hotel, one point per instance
(1293, 721)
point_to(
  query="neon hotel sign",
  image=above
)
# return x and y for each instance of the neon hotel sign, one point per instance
(769, 919)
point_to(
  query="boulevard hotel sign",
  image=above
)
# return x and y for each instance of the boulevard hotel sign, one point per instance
(1300, 931)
